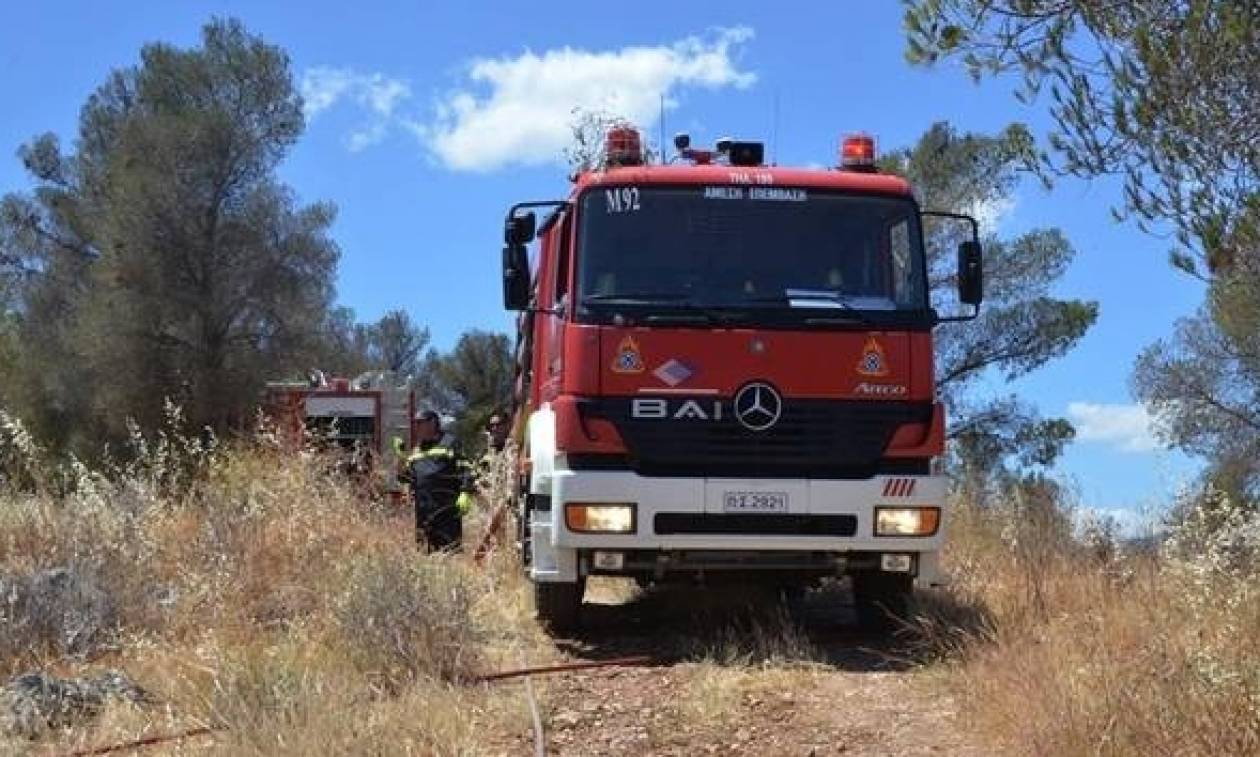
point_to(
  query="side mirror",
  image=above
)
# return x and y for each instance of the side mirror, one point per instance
(519, 230)
(516, 276)
(970, 274)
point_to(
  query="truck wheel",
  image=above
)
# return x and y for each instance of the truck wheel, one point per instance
(559, 605)
(882, 600)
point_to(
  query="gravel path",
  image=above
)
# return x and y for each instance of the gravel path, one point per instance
(788, 682)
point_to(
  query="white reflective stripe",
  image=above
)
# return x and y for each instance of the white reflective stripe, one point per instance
(355, 407)
(542, 449)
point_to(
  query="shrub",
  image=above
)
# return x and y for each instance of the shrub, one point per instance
(404, 615)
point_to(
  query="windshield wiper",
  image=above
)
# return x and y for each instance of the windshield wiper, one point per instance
(674, 308)
(831, 299)
(635, 298)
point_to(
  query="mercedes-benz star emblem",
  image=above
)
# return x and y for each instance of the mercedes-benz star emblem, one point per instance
(758, 406)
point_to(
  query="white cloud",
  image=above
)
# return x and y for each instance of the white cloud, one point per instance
(323, 87)
(517, 110)
(366, 136)
(1127, 427)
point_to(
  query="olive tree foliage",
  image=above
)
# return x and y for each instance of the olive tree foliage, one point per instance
(1160, 92)
(472, 381)
(1021, 326)
(161, 257)
(1203, 385)
(394, 344)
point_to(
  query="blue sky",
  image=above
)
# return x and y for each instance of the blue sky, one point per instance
(428, 120)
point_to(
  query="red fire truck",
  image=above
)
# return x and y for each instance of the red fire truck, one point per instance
(726, 372)
(366, 418)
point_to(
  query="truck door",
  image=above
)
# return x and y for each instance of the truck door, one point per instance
(553, 303)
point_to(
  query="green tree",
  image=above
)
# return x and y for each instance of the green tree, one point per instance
(396, 343)
(162, 257)
(344, 346)
(1203, 385)
(1021, 327)
(1161, 92)
(472, 381)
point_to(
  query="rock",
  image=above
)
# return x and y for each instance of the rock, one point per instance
(34, 702)
(166, 597)
(63, 607)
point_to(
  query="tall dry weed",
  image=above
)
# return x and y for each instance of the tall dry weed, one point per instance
(254, 588)
(1088, 648)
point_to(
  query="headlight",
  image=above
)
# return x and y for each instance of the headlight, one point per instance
(601, 518)
(907, 521)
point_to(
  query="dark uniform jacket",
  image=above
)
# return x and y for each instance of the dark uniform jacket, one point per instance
(439, 478)
(436, 471)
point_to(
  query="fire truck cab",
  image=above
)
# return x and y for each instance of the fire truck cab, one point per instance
(725, 371)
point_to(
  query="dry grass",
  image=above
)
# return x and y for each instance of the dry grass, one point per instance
(1078, 648)
(252, 590)
(715, 692)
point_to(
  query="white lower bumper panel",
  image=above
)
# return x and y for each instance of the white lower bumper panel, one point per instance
(713, 496)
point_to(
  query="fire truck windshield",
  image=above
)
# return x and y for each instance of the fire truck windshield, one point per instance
(773, 251)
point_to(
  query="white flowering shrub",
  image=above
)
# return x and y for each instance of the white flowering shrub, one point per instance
(21, 458)
(1212, 554)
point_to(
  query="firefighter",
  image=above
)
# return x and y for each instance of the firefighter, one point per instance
(439, 484)
(491, 461)
(496, 432)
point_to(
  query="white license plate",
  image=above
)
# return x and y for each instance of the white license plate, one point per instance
(755, 502)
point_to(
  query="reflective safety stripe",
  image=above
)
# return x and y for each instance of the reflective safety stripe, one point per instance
(436, 452)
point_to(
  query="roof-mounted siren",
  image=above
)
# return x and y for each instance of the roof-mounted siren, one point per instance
(682, 143)
(623, 147)
(736, 152)
(741, 153)
(857, 153)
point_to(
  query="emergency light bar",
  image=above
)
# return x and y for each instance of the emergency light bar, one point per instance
(857, 153)
(622, 147)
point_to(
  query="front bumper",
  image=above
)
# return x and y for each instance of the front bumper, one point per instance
(814, 508)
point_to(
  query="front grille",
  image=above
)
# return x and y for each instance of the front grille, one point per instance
(813, 438)
(754, 524)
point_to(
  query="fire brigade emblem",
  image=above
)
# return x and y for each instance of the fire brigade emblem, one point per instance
(873, 362)
(628, 359)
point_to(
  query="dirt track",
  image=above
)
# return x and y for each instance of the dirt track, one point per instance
(725, 680)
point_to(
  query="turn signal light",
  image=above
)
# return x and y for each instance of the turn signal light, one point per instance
(599, 518)
(907, 521)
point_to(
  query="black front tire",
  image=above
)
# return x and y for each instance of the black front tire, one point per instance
(883, 600)
(559, 606)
